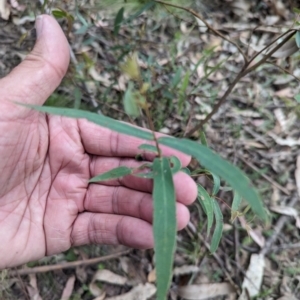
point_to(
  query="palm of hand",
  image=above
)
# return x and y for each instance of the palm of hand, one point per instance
(46, 203)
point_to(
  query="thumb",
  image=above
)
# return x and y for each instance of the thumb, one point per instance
(35, 79)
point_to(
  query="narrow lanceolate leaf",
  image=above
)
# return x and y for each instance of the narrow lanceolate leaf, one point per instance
(118, 21)
(217, 184)
(164, 225)
(148, 148)
(207, 205)
(215, 241)
(142, 9)
(175, 164)
(112, 174)
(95, 118)
(220, 167)
(59, 13)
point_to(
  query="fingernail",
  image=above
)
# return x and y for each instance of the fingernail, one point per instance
(39, 26)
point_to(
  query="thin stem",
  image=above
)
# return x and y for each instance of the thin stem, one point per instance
(267, 56)
(268, 46)
(148, 114)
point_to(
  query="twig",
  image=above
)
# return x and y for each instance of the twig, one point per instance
(69, 265)
(283, 70)
(267, 56)
(285, 247)
(278, 227)
(274, 183)
(268, 46)
(236, 249)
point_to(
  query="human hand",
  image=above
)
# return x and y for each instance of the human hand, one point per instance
(46, 202)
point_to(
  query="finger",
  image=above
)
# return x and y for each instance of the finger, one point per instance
(105, 142)
(185, 186)
(92, 228)
(126, 202)
(35, 79)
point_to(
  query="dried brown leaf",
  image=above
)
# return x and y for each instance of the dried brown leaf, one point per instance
(32, 288)
(109, 277)
(256, 234)
(205, 291)
(285, 210)
(186, 269)
(140, 292)
(290, 142)
(152, 276)
(95, 290)
(254, 274)
(4, 10)
(68, 290)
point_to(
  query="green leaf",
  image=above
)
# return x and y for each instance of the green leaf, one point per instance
(296, 10)
(237, 200)
(101, 120)
(186, 171)
(298, 39)
(297, 98)
(164, 225)
(185, 82)
(203, 139)
(130, 103)
(217, 184)
(144, 8)
(112, 174)
(207, 205)
(177, 77)
(175, 164)
(118, 21)
(59, 14)
(148, 148)
(215, 241)
(220, 167)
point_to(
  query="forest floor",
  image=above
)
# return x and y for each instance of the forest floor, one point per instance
(257, 129)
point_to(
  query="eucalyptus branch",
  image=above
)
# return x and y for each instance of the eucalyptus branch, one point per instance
(268, 46)
(245, 71)
(267, 56)
(216, 32)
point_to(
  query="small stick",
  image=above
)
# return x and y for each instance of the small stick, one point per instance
(69, 265)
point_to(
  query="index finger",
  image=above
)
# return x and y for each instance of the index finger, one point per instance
(102, 141)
